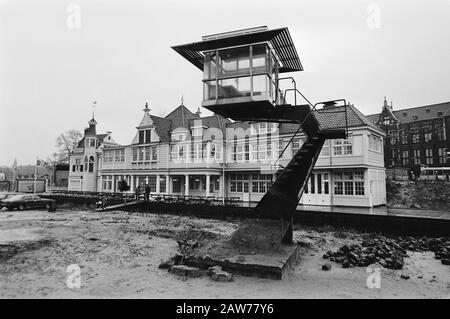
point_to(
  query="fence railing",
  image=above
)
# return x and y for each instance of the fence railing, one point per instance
(118, 198)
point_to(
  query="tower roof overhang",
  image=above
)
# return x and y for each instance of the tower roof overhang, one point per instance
(280, 40)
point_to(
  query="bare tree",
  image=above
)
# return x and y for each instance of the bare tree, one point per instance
(66, 143)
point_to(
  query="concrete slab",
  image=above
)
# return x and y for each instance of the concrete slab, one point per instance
(265, 264)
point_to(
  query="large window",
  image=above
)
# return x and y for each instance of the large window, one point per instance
(296, 145)
(263, 128)
(349, 183)
(154, 153)
(261, 84)
(152, 183)
(90, 142)
(110, 156)
(261, 183)
(107, 183)
(234, 62)
(403, 137)
(405, 158)
(215, 151)
(198, 150)
(210, 66)
(415, 135)
(234, 87)
(441, 155)
(375, 143)
(439, 132)
(240, 152)
(427, 134)
(392, 137)
(325, 148)
(145, 154)
(178, 151)
(91, 164)
(78, 167)
(428, 156)
(343, 146)
(239, 183)
(162, 183)
(416, 157)
(144, 136)
(231, 73)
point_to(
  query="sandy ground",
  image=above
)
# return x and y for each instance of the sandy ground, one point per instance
(119, 254)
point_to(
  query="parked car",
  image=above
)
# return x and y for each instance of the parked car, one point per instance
(5, 195)
(27, 201)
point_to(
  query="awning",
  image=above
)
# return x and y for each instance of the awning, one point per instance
(279, 38)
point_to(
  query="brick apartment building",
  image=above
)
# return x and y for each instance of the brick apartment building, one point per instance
(415, 137)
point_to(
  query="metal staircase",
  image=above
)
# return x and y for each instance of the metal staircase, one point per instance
(282, 198)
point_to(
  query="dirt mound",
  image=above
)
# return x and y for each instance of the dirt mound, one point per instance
(182, 235)
(420, 194)
(258, 235)
(7, 251)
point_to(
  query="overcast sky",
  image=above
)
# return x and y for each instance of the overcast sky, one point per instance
(51, 70)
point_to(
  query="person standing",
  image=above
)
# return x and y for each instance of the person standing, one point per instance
(147, 192)
(137, 192)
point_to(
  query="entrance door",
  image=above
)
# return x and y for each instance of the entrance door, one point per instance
(317, 190)
(323, 188)
(245, 193)
(176, 185)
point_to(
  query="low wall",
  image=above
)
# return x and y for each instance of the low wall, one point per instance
(393, 225)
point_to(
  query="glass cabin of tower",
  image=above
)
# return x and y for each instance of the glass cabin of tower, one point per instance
(240, 74)
(240, 70)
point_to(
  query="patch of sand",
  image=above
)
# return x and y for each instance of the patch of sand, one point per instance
(119, 254)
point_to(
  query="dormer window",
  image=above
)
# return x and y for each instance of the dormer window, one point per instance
(144, 136)
(263, 128)
(178, 136)
(90, 142)
(197, 131)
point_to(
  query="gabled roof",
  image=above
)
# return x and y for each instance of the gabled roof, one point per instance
(329, 118)
(423, 113)
(335, 117)
(180, 117)
(146, 120)
(162, 127)
(100, 137)
(211, 121)
(373, 118)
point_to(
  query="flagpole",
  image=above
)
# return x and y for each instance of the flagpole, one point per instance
(35, 174)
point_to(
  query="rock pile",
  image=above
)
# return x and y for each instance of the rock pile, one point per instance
(440, 246)
(217, 274)
(384, 251)
(183, 270)
(388, 252)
